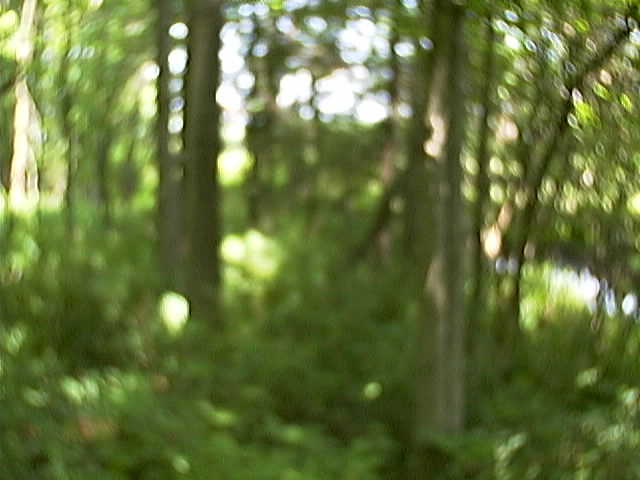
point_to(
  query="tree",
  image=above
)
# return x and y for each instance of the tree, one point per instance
(202, 146)
(539, 166)
(169, 222)
(442, 356)
(476, 307)
(487, 149)
(23, 190)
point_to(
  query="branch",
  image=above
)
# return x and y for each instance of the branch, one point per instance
(578, 83)
(381, 218)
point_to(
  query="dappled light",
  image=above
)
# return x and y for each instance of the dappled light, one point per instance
(302, 239)
(174, 311)
(234, 166)
(253, 253)
(372, 390)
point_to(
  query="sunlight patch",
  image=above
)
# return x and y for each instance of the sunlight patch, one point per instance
(233, 165)
(181, 464)
(179, 31)
(174, 312)
(218, 417)
(80, 390)
(587, 378)
(371, 111)
(629, 304)
(634, 204)
(372, 390)
(492, 241)
(253, 252)
(8, 21)
(14, 339)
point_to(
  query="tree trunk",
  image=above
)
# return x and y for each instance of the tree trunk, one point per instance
(260, 128)
(168, 221)
(477, 300)
(441, 388)
(68, 132)
(390, 150)
(416, 194)
(202, 146)
(23, 188)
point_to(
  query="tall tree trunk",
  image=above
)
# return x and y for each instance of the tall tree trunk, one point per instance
(477, 299)
(390, 150)
(441, 389)
(202, 146)
(68, 132)
(23, 189)
(6, 132)
(307, 176)
(416, 190)
(260, 129)
(168, 215)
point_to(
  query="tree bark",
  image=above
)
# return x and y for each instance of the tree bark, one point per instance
(168, 221)
(441, 388)
(390, 149)
(23, 188)
(202, 146)
(103, 172)
(68, 131)
(260, 129)
(477, 299)
(418, 189)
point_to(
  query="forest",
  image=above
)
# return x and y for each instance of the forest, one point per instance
(319, 239)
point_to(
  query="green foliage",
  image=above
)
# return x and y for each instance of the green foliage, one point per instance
(89, 394)
(116, 397)
(313, 375)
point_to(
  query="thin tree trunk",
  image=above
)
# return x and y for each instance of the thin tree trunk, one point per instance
(416, 191)
(168, 219)
(64, 86)
(69, 192)
(390, 149)
(261, 127)
(477, 299)
(103, 173)
(308, 185)
(202, 145)
(6, 132)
